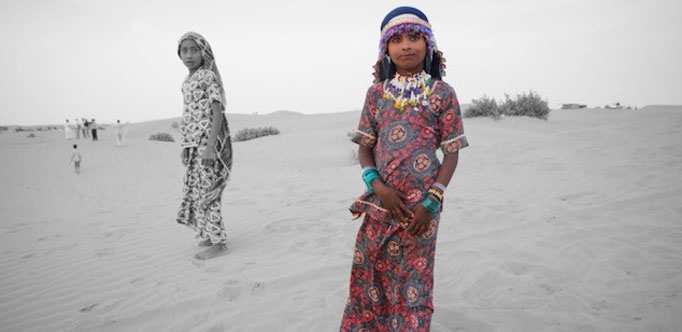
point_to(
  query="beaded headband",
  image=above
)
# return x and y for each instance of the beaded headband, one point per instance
(407, 20)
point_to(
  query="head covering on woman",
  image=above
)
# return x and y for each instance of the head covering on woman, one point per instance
(407, 20)
(207, 58)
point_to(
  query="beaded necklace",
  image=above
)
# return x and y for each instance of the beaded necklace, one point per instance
(408, 91)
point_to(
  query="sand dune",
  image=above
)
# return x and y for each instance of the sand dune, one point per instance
(571, 224)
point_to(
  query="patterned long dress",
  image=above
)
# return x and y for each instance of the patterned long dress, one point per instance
(391, 283)
(203, 184)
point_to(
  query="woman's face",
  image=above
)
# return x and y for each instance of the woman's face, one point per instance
(407, 52)
(190, 54)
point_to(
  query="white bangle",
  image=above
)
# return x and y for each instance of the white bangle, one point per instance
(440, 186)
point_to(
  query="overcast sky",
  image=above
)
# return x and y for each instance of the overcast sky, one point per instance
(117, 59)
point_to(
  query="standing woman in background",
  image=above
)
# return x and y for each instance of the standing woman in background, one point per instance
(118, 131)
(206, 143)
(409, 113)
(93, 126)
(68, 130)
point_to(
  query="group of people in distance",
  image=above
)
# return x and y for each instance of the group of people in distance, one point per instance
(409, 113)
(88, 129)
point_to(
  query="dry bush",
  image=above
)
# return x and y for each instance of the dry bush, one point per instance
(484, 106)
(251, 133)
(526, 104)
(162, 137)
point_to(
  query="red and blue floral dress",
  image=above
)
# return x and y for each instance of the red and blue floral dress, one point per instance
(391, 284)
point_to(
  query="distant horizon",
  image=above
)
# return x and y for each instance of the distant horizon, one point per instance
(464, 105)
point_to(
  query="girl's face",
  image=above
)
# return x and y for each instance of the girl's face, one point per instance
(190, 54)
(408, 52)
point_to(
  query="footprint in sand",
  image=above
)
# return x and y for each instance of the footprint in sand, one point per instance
(56, 236)
(212, 252)
(88, 308)
(577, 196)
(102, 253)
(232, 289)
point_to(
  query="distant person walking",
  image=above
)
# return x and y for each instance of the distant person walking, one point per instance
(78, 129)
(409, 113)
(118, 131)
(207, 147)
(68, 130)
(76, 159)
(93, 126)
(86, 128)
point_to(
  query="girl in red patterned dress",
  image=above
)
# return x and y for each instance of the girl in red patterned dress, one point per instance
(207, 147)
(408, 114)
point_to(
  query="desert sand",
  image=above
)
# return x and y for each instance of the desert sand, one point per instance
(569, 224)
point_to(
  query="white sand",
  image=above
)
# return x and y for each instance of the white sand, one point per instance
(571, 224)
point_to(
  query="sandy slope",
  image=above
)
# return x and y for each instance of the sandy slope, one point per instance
(571, 224)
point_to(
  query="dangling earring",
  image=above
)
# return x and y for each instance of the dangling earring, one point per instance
(386, 68)
(427, 62)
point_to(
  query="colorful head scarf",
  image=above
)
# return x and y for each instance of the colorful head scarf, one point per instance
(410, 20)
(208, 60)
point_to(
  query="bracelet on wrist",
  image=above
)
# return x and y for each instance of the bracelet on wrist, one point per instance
(439, 186)
(436, 193)
(369, 175)
(431, 204)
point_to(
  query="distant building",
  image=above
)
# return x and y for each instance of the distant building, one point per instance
(614, 106)
(572, 106)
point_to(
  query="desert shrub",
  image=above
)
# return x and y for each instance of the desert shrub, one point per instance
(163, 137)
(175, 125)
(31, 135)
(526, 104)
(508, 106)
(484, 106)
(354, 158)
(251, 133)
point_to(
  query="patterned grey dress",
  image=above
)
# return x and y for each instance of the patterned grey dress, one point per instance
(203, 184)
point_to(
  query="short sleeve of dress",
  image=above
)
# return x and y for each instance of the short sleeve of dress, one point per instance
(452, 131)
(366, 133)
(212, 89)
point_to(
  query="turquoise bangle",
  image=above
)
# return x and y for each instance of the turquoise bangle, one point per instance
(368, 170)
(431, 204)
(368, 176)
